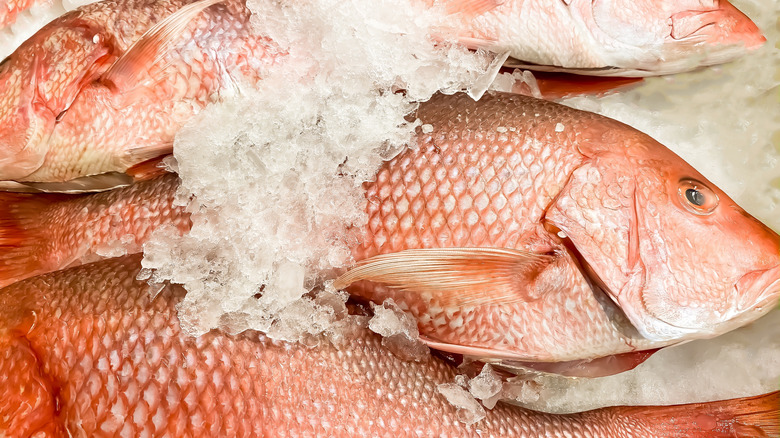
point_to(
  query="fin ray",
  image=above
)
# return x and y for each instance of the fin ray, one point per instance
(456, 276)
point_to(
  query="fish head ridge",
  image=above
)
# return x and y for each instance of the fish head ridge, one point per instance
(677, 254)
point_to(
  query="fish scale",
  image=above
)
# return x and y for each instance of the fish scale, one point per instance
(90, 119)
(567, 189)
(94, 354)
(514, 166)
(46, 232)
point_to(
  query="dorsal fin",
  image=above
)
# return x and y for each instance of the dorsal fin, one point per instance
(128, 71)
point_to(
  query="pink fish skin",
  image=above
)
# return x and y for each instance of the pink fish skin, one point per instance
(608, 38)
(88, 352)
(101, 89)
(516, 225)
(41, 233)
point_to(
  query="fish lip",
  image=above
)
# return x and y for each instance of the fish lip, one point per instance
(747, 306)
(764, 288)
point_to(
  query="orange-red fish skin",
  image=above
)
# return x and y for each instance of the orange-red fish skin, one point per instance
(88, 351)
(65, 115)
(45, 232)
(499, 172)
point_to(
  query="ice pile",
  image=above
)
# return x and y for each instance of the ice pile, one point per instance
(276, 172)
(28, 22)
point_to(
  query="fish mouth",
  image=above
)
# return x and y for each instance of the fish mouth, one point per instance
(758, 288)
(721, 25)
(755, 294)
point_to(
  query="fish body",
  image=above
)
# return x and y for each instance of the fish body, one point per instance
(89, 351)
(47, 232)
(105, 87)
(525, 230)
(609, 38)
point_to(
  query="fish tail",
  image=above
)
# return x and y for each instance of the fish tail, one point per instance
(23, 235)
(757, 416)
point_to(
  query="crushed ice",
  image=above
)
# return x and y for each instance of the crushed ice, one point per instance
(276, 172)
(398, 329)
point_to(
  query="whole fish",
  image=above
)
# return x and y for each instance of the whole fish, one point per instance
(524, 230)
(608, 38)
(42, 233)
(105, 87)
(88, 352)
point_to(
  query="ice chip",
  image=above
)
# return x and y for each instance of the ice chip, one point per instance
(486, 386)
(469, 409)
(398, 329)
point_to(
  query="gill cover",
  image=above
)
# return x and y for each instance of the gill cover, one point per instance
(600, 211)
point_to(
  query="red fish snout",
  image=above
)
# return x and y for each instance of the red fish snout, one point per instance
(724, 26)
(758, 289)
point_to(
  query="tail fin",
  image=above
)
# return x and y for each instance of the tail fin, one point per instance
(752, 417)
(23, 235)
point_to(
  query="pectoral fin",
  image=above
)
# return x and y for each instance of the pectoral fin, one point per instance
(472, 8)
(85, 184)
(131, 68)
(457, 276)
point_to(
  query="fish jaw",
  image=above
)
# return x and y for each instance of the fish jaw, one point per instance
(709, 37)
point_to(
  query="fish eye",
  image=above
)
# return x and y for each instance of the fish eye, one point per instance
(697, 197)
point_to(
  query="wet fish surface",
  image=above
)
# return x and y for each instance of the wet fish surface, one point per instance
(525, 230)
(608, 38)
(89, 351)
(42, 233)
(105, 87)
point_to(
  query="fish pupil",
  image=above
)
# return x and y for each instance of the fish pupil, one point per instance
(695, 197)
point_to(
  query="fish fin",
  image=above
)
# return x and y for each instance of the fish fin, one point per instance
(739, 417)
(598, 367)
(488, 45)
(29, 406)
(481, 353)
(22, 235)
(598, 71)
(456, 276)
(140, 154)
(561, 85)
(84, 184)
(472, 8)
(128, 70)
(148, 169)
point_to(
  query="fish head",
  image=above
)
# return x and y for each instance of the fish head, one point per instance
(38, 83)
(671, 36)
(678, 255)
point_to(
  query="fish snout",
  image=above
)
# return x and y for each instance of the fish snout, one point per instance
(740, 28)
(757, 290)
(719, 27)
